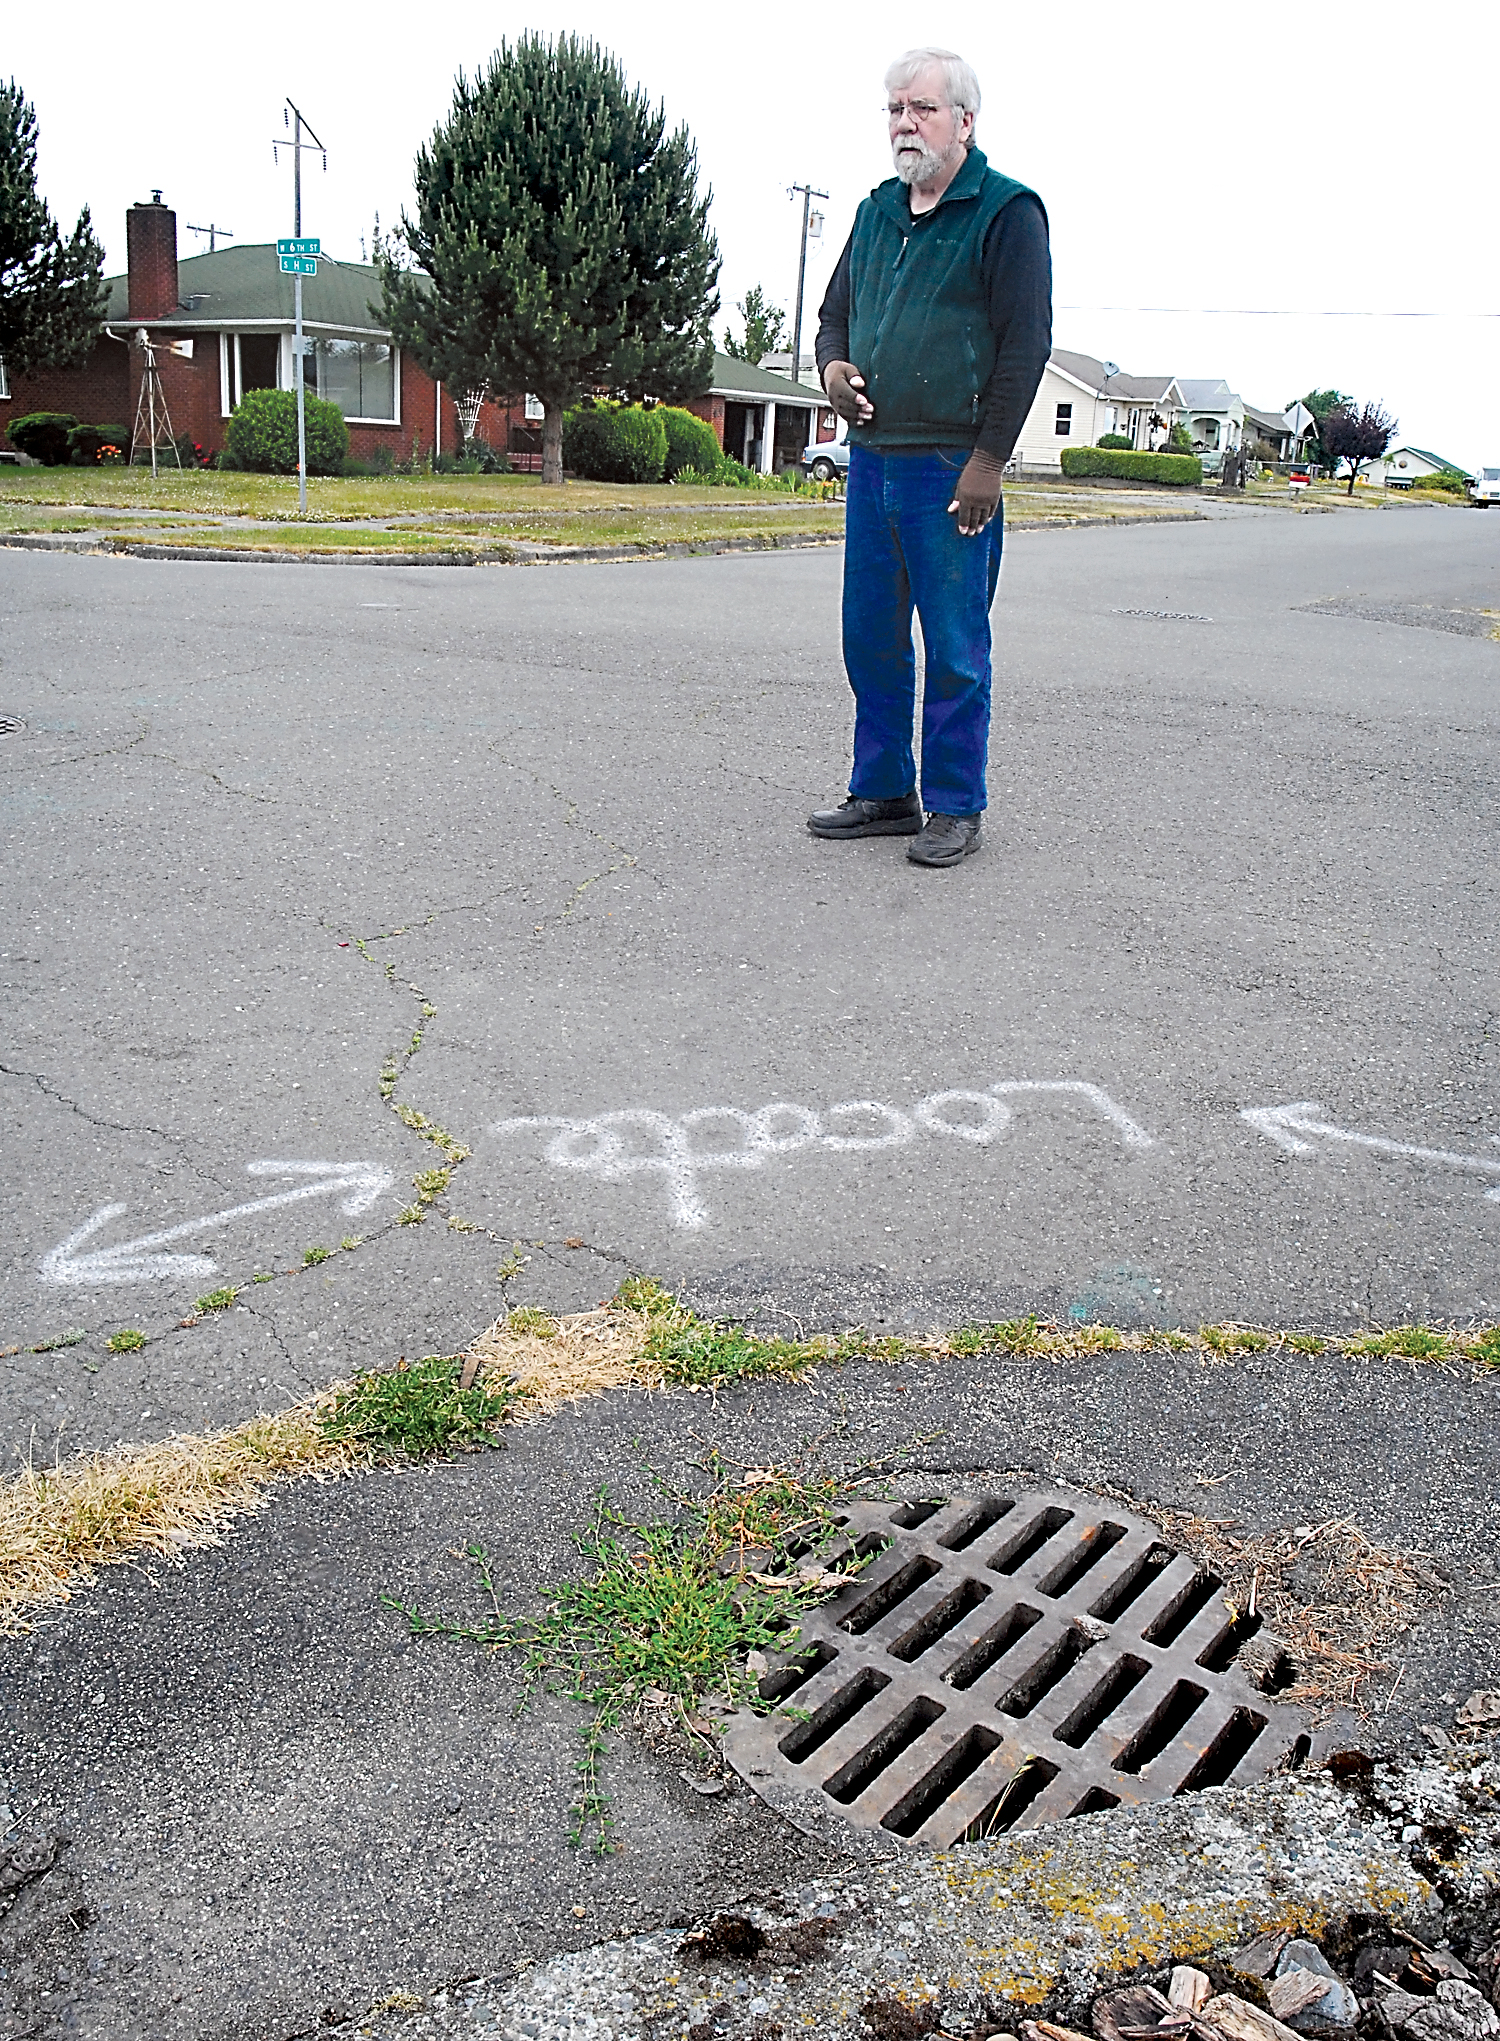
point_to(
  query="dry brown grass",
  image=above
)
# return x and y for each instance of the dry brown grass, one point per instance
(57, 1527)
(1336, 1600)
(552, 1361)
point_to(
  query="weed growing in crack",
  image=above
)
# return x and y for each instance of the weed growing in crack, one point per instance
(313, 1255)
(350, 1241)
(417, 1409)
(1306, 1343)
(126, 1341)
(1233, 1339)
(529, 1319)
(453, 1152)
(513, 1264)
(430, 1184)
(1409, 1342)
(262, 1276)
(217, 1300)
(63, 1339)
(411, 1215)
(667, 1625)
(458, 1225)
(389, 1072)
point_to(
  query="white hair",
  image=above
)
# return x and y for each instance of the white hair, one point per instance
(960, 85)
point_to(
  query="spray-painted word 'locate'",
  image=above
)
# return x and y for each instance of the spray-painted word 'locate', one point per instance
(611, 1146)
(1285, 1125)
(140, 1261)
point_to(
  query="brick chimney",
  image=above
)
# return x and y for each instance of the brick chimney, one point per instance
(151, 258)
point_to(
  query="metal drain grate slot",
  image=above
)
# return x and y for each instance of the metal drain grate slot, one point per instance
(891, 1592)
(992, 1646)
(1045, 1673)
(1028, 1539)
(1122, 1678)
(809, 1737)
(1085, 1556)
(1007, 1661)
(938, 1621)
(11, 726)
(882, 1751)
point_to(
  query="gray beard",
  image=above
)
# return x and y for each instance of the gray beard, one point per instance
(920, 169)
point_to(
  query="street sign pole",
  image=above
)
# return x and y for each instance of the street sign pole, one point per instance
(297, 366)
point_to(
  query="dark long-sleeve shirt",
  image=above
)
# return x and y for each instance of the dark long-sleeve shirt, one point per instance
(1016, 267)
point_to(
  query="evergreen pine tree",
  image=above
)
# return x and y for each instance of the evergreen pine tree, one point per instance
(561, 242)
(51, 291)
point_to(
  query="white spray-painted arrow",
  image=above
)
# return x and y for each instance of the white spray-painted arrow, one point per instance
(138, 1261)
(1285, 1124)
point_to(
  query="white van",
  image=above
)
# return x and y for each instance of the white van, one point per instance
(1485, 488)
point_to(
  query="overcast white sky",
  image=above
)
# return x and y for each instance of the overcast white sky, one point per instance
(1283, 158)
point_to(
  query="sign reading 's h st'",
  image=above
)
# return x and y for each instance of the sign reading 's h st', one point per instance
(299, 254)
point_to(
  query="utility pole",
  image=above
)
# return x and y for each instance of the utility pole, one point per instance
(212, 229)
(812, 223)
(297, 145)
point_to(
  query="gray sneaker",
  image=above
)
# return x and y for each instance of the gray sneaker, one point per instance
(946, 840)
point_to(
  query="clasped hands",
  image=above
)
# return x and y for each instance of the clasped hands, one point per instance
(976, 496)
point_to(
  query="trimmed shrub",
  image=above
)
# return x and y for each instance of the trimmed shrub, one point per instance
(1450, 481)
(44, 435)
(262, 434)
(84, 442)
(691, 442)
(1178, 471)
(615, 443)
(1115, 442)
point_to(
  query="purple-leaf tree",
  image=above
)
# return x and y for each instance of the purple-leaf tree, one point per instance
(1355, 436)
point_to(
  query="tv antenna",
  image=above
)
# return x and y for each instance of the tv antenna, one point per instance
(213, 230)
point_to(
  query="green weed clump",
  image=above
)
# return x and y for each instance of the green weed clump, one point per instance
(417, 1410)
(672, 1611)
(313, 1255)
(217, 1300)
(1408, 1342)
(126, 1341)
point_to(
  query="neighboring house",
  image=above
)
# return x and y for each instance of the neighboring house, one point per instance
(1078, 401)
(222, 324)
(1281, 435)
(1215, 416)
(1402, 465)
(761, 418)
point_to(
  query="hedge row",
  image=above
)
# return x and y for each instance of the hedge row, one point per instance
(55, 438)
(1179, 471)
(624, 443)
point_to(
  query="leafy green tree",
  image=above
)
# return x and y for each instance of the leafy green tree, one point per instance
(52, 295)
(765, 327)
(561, 243)
(1321, 403)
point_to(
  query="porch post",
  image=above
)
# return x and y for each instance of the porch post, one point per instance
(768, 440)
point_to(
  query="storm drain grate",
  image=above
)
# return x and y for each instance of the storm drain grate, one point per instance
(10, 726)
(1169, 616)
(1006, 1661)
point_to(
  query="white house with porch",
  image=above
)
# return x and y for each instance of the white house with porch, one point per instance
(761, 418)
(1080, 399)
(1215, 416)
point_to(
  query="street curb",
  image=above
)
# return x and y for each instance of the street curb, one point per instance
(518, 555)
(1045, 1918)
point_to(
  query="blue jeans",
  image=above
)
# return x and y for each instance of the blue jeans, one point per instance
(902, 550)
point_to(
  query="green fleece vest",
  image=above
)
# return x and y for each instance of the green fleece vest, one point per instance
(919, 327)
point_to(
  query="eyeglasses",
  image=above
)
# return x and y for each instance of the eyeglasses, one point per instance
(921, 110)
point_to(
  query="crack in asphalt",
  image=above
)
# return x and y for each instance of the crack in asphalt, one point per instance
(207, 772)
(49, 1090)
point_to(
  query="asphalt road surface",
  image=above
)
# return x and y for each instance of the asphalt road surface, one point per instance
(267, 827)
(1239, 857)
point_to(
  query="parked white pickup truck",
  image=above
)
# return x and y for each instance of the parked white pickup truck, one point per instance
(1485, 487)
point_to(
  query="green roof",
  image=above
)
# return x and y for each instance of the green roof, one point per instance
(243, 287)
(739, 379)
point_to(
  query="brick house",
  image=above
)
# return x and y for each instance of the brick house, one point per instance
(223, 324)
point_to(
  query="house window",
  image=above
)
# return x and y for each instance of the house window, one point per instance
(4, 379)
(357, 375)
(247, 361)
(1064, 420)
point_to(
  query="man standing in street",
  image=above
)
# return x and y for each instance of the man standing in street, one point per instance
(932, 340)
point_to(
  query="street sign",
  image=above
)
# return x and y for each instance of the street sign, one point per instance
(301, 244)
(299, 265)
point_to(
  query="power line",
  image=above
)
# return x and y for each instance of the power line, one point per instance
(1270, 312)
